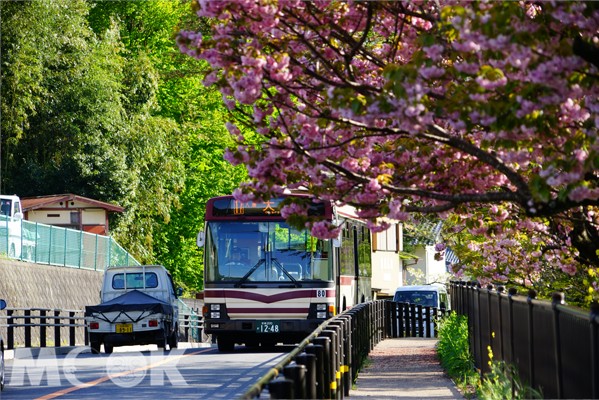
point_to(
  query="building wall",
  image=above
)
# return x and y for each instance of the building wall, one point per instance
(62, 216)
(426, 269)
(387, 276)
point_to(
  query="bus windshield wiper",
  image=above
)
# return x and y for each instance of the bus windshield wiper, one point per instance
(250, 272)
(295, 282)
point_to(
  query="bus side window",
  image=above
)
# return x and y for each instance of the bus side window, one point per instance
(320, 269)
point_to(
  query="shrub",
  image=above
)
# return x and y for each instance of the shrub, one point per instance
(500, 383)
(453, 348)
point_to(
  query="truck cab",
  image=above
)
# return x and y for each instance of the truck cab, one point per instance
(153, 280)
(12, 240)
(10, 207)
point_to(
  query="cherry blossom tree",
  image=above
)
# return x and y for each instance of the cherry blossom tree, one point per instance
(483, 111)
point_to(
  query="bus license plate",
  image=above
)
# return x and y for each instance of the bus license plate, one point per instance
(124, 328)
(268, 327)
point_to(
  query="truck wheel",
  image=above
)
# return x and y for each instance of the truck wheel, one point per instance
(173, 339)
(108, 348)
(95, 347)
(161, 343)
(225, 345)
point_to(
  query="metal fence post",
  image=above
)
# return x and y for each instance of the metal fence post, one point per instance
(297, 374)
(556, 300)
(64, 258)
(50, 245)
(594, 345)
(531, 364)
(325, 343)
(510, 294)
(57, 328)
(21, 237)
(27, 323)
(10, 330)
(109, 253)
(72, 332)
(80, 249)
(42, 328)
(500, 290)
(96, 255)
(309, 361)
(36, 243)
(318, 351)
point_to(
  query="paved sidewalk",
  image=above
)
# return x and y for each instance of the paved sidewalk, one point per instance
(404, 368)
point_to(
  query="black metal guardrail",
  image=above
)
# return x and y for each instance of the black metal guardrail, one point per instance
(554, 347)
(326, 363)
(32, 327)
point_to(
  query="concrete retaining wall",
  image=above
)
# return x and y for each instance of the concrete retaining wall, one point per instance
(28, 285)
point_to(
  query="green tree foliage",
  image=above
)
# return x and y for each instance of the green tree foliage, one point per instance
(97, 100)
(70, 136)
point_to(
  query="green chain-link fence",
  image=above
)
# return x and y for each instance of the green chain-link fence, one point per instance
(47, 244)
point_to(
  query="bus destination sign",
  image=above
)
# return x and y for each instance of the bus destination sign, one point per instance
(232, 207)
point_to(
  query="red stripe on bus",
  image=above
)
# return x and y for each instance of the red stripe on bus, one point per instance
(346, 280)
(264, 298)
(266, 311)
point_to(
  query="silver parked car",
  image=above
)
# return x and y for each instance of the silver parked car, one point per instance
(2, 307)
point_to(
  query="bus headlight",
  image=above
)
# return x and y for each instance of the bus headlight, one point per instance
(321, 311)
(215, 314)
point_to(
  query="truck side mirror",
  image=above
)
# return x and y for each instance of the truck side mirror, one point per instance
(200, 239)
(18, 215)
(179, 292)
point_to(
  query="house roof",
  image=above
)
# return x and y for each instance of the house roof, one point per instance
(425, 233)
(34, 203)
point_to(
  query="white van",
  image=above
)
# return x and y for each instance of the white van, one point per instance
(433, 295)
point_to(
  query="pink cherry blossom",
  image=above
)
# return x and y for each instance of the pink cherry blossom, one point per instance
(487, 111)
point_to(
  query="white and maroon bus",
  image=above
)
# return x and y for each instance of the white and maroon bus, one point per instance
(266, 282)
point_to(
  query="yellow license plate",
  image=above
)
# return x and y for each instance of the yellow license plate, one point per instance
(124, 328)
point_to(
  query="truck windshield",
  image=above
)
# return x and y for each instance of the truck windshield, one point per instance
(135, 280)
(263, 252)
(424, 298)
(5, 207)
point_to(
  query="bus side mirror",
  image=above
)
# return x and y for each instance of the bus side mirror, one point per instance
(200, 239)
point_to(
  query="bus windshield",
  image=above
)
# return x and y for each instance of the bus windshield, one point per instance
(264, 252)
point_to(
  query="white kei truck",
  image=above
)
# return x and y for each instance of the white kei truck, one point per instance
(16, 240)
(139, 305)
